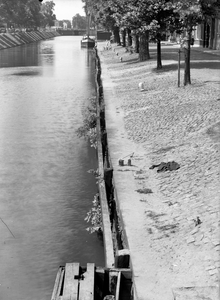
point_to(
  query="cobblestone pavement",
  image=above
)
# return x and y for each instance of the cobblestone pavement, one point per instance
(180, 124)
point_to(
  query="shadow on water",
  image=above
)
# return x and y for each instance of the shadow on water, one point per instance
(27, 73)
(20, 56)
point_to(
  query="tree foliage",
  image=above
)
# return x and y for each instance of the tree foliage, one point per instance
(26, 13)
(79, 22)
(152, 19)
(191, 13)
(48, 16)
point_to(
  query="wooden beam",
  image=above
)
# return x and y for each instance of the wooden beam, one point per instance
(87, 282)
(71, 285)
(107, 234)
(118, 286)
(122, 258)
(58, 284)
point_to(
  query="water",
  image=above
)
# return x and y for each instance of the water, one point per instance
(45, 190)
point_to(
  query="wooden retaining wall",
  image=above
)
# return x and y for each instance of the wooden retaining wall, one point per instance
(115, 239)
(107, 236)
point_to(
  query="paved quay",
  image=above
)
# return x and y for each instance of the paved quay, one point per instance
(173, 256)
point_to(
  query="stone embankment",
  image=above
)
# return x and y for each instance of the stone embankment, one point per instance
(173, 256)
(8, 40)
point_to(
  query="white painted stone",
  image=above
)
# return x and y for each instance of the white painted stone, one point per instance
(141, 86)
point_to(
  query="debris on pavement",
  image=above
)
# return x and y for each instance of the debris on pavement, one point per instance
(169, 166)
(197, 221)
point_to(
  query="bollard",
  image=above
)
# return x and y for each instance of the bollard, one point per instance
(121, 162)
(179, 53)
(141, 86)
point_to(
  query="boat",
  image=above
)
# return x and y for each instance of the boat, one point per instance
(87, 42)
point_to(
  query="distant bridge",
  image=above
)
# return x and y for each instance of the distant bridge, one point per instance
(71, 31)
(101, 35)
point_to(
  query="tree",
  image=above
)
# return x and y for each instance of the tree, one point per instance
(102, 13)
(21, 13)
(191, 13)
(33, 13)
(150, 19)
(12, 12)
(162, 19)
(132, 14)
(47, 10)
(79, 22)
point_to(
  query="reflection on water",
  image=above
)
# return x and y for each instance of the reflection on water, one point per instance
(45, 187)
(25, 55)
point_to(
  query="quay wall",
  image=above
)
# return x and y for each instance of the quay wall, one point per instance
(115, 240)
(8, 40)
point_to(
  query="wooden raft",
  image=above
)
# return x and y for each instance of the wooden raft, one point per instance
(74, 282)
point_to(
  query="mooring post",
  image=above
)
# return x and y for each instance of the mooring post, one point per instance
(179, 53)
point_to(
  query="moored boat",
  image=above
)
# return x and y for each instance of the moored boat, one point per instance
(87, 42)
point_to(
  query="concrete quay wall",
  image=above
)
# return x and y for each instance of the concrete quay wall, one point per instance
(8, 40)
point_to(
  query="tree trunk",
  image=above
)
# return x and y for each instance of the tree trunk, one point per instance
(159, 61)
(136, 43)
(124, 38)
(129, 37)
(187, 77)
(117, 36)
(135, 39)
(144, 53)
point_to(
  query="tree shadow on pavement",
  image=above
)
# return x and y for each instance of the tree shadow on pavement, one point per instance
(198, 60)
(193, 65)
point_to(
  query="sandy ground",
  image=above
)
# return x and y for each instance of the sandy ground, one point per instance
(171, 257)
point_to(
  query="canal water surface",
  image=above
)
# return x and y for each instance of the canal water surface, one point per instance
(45, 189)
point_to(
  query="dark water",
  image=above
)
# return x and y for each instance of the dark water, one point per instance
(45, 190)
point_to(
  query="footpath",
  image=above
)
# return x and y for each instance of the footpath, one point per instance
(171, 218)
(8, 40)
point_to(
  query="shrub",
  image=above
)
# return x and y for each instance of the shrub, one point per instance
(88, 129)
(94, 216)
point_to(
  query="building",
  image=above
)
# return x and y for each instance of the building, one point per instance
(207, 34)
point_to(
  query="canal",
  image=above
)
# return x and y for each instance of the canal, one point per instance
(45, 189)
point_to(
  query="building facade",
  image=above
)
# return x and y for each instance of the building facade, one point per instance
(207, 34)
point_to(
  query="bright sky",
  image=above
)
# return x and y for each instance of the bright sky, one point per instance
(66, 9)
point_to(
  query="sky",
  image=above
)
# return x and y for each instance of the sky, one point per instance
(66, 9)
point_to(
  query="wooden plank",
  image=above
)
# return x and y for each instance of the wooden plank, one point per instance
(70, 289)
(86, 287)
(122, 258)
(99, 283)
(56, 289)
(60, 284)
(118, 286)
(127, 273)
